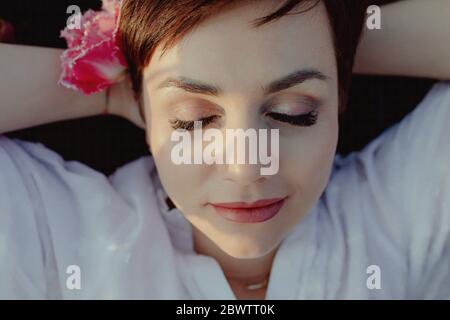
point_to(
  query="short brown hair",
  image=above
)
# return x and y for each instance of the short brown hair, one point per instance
(145, 24)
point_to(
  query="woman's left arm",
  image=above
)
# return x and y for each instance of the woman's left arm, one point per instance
(414, 40)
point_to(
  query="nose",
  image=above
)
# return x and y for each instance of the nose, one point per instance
(243, 174)
(242, 160)
(242, 146)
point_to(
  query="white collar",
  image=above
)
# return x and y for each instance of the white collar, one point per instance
(205, 276)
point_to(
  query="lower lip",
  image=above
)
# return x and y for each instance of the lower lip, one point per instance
(250, 215)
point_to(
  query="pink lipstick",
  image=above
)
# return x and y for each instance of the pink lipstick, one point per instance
(245, 212)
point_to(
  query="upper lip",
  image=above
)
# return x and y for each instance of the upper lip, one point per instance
(247, 205)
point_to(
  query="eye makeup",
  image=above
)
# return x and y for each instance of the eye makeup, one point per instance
(299, 111)
(301, 120)
(284, 112)
(189, 125)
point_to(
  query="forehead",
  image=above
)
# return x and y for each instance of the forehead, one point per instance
(228, 51)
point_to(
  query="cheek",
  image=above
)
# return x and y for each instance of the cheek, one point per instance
(309, 155)
(177, 180)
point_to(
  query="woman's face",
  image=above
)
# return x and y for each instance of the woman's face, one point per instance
(242, 62)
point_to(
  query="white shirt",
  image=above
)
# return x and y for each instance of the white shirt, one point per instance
(386, 211)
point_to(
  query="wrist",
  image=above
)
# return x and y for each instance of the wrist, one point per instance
(106, 106)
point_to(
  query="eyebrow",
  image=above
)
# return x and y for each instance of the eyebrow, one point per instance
(198, 87)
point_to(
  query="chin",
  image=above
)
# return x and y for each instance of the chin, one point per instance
(246, 248)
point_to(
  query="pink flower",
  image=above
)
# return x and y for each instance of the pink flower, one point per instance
(93, 60)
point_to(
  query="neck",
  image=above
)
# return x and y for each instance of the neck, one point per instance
(237, 271)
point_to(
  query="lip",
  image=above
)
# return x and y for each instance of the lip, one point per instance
(254, 212)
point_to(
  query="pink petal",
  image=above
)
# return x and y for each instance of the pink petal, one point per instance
(96, 69)
(93, 61)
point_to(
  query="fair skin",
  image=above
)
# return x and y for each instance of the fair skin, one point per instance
(245, 252)
(36, 71)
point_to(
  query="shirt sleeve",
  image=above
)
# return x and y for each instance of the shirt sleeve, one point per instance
(22, 272)
(408, 166)
(44, 204)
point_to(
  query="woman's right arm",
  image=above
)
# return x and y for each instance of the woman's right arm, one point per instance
(29, 90)
(30, 94)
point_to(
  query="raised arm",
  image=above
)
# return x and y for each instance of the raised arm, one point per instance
(414, 40)
(30, 94)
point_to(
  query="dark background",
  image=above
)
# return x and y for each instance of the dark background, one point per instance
(107, 142)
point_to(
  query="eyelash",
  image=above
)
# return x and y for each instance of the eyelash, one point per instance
(303, 120)
(189, 125)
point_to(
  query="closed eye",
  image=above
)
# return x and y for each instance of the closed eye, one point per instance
(189, 125)
(302, 120)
